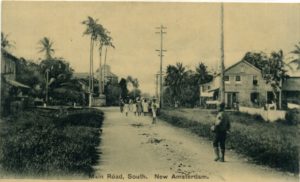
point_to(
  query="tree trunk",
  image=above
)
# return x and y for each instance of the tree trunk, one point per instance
(104, 70)
(100, 70)
(90, 73)
(92, 67)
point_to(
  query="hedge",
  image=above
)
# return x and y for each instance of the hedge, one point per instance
(272, 144)
(46, 143)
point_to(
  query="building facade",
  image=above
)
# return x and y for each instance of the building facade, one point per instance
(12, 97)
(244, 86)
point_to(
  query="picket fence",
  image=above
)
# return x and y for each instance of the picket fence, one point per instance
(267, 115)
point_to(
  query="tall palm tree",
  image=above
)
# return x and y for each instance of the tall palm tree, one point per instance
(46, 46)
(92, 29)
(104, 41)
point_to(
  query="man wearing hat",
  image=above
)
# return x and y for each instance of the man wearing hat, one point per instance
(220, 128)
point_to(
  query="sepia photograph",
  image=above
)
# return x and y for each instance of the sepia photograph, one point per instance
(150, 91)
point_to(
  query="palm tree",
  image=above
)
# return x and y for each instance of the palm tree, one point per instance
(202, 74)
(92, 29)
(297, 53)
(175, 78)
(46, 46)
(104, 40)
(5, 43)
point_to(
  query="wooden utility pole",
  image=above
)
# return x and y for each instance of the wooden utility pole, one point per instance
(222, 85)
(156, 84)
(161, 32)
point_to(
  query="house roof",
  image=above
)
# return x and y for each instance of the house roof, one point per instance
(291, 84)
(9, 55)
(243, 61)
(235, 64)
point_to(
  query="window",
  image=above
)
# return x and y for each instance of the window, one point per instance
(238, 78)
(226, 78)
(255, 81)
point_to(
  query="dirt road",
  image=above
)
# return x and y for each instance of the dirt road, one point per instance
(134, 148)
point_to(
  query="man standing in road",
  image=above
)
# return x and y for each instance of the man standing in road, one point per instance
(220, 128)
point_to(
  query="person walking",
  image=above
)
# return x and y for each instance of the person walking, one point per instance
(134, 107)
(154, 111)
(139, 106)
(145, 106)
(126, 107)
(121, 105)
(220, 127)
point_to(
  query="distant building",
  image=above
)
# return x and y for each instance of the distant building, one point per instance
(291, 90)
(107, 75)
(245, 85)
(12, 96)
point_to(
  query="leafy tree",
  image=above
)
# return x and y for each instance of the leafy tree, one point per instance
(112, 92)
(135, 84)
(59, 70)
(257, 59)
(123, 87)
(68, 92)
(29, 74)
(276, 74)
(46, 46)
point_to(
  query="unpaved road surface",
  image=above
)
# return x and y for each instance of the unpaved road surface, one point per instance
(133, 146)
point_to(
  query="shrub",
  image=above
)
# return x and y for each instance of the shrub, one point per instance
(293, 117)
(37, 143)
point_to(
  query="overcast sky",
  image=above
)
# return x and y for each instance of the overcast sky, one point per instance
(193, 33)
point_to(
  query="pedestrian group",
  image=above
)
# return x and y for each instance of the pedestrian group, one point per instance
(139, 107)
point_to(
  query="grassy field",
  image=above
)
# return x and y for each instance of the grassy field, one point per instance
(49, 143)
(272, 144)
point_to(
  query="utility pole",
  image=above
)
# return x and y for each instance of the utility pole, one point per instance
(161, 32)
(156, 84)
(222, 85)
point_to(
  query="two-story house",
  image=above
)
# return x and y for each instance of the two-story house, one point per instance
(244, 85)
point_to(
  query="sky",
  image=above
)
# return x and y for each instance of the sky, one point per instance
(193, 33)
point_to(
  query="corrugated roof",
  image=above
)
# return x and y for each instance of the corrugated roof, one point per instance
(291, 84)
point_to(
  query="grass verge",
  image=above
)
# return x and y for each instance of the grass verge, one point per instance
(272, 144)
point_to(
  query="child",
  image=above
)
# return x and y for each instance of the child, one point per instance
(154, 110)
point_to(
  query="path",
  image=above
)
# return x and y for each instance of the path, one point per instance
(132, 145)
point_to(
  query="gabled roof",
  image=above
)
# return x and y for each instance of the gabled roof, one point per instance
(242, 61)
